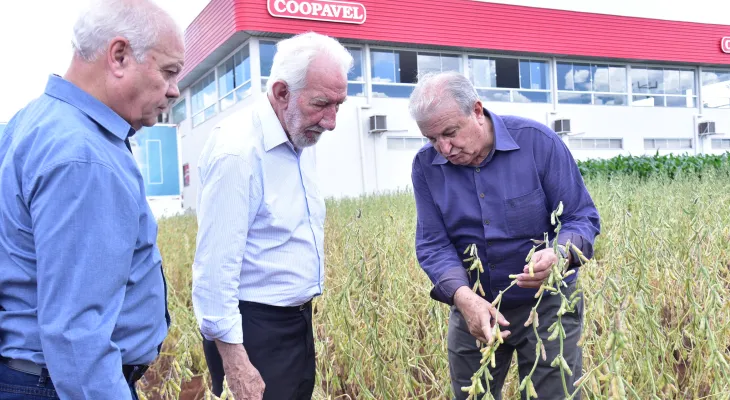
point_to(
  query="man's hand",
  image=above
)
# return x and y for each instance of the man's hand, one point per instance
(479, 314)
(243, 378)
(543, 262)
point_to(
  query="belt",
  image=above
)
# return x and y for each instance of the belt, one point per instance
(132, 373)
(301, 307)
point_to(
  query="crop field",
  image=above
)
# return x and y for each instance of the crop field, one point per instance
(657, 296)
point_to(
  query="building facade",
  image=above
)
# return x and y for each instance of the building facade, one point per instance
(607, 84)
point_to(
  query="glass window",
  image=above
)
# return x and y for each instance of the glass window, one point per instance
(234, 78)
(716, 89)
(267, 50)
(582, 77)
(384, 64)
(204, 99)
(721, 143)
(390, 67)
(667, 144)
(600, 78)
(663, 87)
(596, 143)
(617, 79)
(428, 63)
(528, 78)
(599, 84)
(355, 79)
(406, 143)
(179, 113)
(565, 76)
(355, 74)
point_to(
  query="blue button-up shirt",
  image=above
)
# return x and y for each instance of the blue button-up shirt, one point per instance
(260, 222)
(80, 274)
(499, 206)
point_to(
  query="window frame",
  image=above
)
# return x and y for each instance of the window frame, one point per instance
(549, 83)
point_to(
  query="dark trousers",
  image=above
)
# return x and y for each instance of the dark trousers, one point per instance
(17, 385)
(464, 356)
(280, 344)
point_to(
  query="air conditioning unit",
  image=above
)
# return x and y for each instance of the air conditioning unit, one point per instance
(378, 124)
(561, 126)
(706, 128)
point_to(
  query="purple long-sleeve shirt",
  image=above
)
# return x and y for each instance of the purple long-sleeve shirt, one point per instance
(499, 206)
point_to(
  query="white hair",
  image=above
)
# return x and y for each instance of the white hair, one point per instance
(139, 21)
(294, 55)
(436, 89)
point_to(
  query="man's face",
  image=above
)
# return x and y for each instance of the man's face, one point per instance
(313, 109)
(148, 87)
(457, 137)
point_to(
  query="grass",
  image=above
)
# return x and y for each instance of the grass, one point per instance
(657, 311)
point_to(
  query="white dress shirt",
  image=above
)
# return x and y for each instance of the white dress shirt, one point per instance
(260, 222)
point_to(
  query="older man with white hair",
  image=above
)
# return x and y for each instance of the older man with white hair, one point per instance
(493, 181)
(83, 307)
(260, 257)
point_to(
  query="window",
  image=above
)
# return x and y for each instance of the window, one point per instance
(179, 112)
(663, 87)
(355, 78)
(234, 78)
(266, 54)
(600, 84)
(406, 143)
(494, 78)
(204, 99)
(668, 144)
(596, 143)
(395, 72)
(721, 143)
(716, 89)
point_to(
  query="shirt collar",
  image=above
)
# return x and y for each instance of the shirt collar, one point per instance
(503, 141)
(274, 134)
(63, 90)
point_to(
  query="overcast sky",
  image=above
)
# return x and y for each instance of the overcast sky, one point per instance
(35, 34)
(35, 41)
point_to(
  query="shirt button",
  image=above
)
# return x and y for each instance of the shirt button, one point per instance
(492, 266)
(479, 169)
(481, 195)
(486, 222)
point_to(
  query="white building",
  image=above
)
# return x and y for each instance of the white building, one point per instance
(610, 84)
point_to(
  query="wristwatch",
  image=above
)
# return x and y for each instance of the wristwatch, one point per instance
(563, 251)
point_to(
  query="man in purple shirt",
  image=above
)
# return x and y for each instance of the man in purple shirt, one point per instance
(493, 182)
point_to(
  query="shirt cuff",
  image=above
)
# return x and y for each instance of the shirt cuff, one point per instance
(575, 239)
(448, 284)
(228, 330)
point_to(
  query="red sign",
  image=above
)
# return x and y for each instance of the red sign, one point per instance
(186, 175)
(726, 44)
(318, 10)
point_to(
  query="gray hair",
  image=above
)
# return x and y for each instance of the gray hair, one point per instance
(294, 55)
(436, 89)
(138, 21)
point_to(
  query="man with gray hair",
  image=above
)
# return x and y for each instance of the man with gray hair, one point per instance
(83, 307)
(259, 260)
(493, 181)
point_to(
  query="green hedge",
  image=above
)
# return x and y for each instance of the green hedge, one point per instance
(648, 166)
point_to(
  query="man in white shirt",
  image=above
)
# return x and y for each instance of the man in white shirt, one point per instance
(260, 254)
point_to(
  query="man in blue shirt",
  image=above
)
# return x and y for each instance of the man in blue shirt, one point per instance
(493, 182)
(82, 292)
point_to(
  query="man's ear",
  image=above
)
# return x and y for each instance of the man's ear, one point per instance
(479, 112)
(281, 92)
(118, 56)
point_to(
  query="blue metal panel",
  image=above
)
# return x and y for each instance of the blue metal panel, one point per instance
(156, 151)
